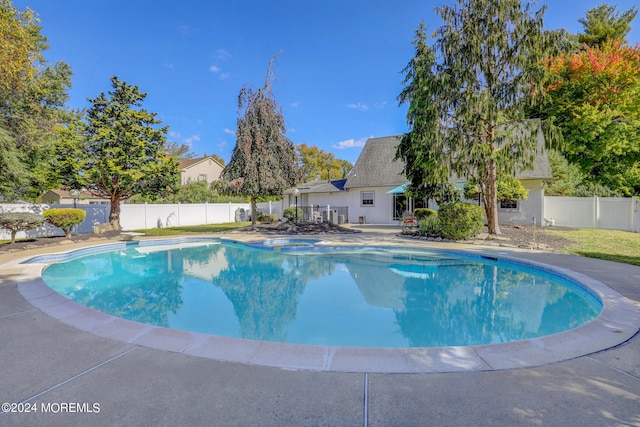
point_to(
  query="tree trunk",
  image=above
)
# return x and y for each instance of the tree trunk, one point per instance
(491, 199)
(114, 213)
(253, 212)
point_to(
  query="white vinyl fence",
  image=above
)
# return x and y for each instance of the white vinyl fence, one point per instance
(581, 212)
(134, 217)
(615, 213)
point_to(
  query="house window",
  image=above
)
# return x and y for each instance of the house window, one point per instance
(366, 198)
(202, 177)
(508, 204)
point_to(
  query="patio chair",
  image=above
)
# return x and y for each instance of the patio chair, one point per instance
(408, 220)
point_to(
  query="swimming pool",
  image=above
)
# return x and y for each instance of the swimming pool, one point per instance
(301, 291)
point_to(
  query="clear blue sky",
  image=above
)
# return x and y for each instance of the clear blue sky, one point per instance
(337, 78)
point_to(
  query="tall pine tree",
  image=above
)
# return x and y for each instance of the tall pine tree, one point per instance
(467, 96)
(125, 148)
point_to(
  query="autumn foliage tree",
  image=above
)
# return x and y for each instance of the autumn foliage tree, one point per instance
(596, 103)
(317, 163)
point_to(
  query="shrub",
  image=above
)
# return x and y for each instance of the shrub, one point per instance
(65, 218)
(422, 213)
(20, 221)
(430, 226)
(460, 220)
(267, 218)
(290, 213)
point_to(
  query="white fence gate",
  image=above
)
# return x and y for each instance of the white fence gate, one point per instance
(615, 213)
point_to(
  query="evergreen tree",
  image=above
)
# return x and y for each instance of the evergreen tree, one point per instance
(467, 96)
(602, 23)
(264, 161)
(125, 149)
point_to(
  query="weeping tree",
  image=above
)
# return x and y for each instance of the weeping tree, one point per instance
(467, 96)
(264, 160)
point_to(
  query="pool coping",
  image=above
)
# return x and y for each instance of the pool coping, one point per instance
(618, 322)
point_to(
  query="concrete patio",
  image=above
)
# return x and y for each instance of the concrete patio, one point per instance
(52, 366)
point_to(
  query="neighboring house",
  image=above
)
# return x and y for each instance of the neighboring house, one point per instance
(374, 190)
(62, 197)
(201, 169)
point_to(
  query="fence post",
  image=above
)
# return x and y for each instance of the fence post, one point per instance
(595, 211)
(145, 216)
(229, 213)
(633, 214)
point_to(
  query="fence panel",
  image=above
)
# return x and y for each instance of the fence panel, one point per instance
(615, 213)
(570, 211)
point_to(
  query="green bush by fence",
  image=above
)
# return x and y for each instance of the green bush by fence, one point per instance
(422, 213)
(65, 218)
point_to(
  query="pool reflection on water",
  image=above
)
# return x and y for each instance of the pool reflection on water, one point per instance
(338, 296)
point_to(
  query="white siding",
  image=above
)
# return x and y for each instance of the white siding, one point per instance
(208, 168)
(527, 209)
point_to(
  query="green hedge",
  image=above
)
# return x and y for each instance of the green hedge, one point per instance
(65, 218)
(422, 213)
(460, 221)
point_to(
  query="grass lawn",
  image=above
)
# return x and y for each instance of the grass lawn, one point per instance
(611, 245)
(210, 228)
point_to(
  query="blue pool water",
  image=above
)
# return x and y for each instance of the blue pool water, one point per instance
(297, 292)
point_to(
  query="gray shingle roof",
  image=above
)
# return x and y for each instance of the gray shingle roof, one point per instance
(376, 168)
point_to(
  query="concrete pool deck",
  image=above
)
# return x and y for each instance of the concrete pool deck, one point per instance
(52, 363)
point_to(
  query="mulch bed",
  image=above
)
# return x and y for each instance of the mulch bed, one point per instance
(37, 242)
(524, 236)
(300, 228)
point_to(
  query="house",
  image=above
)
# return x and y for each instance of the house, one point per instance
(201, 169)
(64, 197)
(374, 190)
